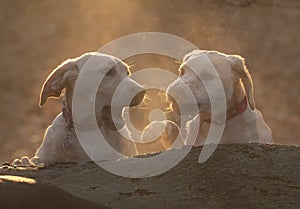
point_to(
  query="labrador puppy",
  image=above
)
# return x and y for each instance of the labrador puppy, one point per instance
(244, 123)
(60, 141)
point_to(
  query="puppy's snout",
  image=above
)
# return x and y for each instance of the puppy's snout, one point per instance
(174, 95)
(174, 106)
(175, 90)
(173, 103)
(138, 98)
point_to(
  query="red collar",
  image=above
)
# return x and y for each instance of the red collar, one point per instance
(234, 111)
(66, 114)
(68, 119)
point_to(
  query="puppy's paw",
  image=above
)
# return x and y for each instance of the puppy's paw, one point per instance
(22, 162)
(165, 133)
(172, 136)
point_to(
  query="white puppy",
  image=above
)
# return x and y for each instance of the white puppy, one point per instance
(60, 142)
(244, 123)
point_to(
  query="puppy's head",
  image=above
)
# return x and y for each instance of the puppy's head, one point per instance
(212, 65)
(114, 72)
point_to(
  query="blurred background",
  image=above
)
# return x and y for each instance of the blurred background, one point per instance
(36, 36)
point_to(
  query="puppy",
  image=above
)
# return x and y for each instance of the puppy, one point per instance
(244, 123)
(60, 141)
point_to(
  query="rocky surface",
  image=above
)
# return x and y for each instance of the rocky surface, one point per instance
(236, 176)
(23, 195)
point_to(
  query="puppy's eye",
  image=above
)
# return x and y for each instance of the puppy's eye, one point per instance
(111, 72)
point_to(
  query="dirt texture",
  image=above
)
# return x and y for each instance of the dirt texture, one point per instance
(236, 176)
(26, 196)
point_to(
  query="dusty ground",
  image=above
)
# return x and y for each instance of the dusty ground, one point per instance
(236, 176)
(37, 35)
(26, 196)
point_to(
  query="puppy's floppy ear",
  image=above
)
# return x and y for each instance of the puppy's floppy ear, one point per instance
(239, 67)
(57, 80)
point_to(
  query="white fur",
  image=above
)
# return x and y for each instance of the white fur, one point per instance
(64, 76)
(244, 128)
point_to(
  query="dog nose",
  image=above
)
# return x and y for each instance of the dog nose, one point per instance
(138, 98)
